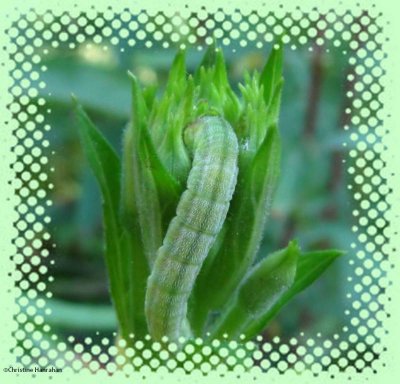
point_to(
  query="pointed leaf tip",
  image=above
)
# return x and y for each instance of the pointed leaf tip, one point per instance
(271, 75)
(207, 61)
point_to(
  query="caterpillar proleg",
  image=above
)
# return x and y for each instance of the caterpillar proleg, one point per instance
(200, 214)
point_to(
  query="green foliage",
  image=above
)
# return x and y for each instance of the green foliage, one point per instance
(260, 289)
(310, 266)
(140, 201)
(123, 250)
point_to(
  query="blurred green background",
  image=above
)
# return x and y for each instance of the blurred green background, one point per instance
(312, 203)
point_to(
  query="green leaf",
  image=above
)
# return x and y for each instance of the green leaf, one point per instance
(265, 173)
(105, 165)
(128, 211)
(126, 263)
(253, 123)
(208, 60)
(148, 182)
(137, 269)
(274, 105)
(215, 94)
(168, 119)
(177, 73)
(311, 266)
(220, 75)
(135, 260)
(243, 231)
(144, 189)
(271, 75)
(228, 99)
(149, 94)
(265, 283)
(271, 81)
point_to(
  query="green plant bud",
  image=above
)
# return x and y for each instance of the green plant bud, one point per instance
(310, 266)
(268, 280)
(168, 119)
(262, 287)
(213, 87)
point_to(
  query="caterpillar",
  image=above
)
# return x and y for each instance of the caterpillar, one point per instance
(200, 214)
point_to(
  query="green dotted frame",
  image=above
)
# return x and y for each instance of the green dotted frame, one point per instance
(25, 217)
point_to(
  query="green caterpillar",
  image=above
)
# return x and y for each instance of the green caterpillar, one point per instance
(200, 214)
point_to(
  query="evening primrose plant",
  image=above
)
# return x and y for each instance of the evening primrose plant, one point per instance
(186, 205)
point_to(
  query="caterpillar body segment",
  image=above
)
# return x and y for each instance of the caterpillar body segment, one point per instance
(200, 215)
